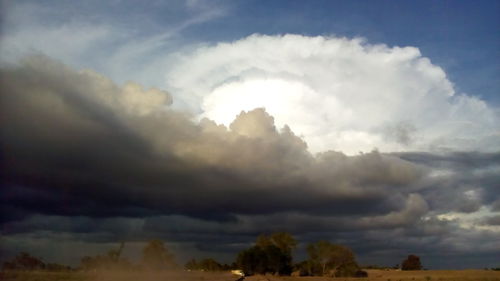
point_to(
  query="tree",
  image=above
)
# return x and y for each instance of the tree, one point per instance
(335, 259)
(252, 261)
(24, 261)
(305, 268)
(156, 256)
(263, 241)
(412, 262)
(278, 247)
(284, 241)
(319, 253)
(262, 260)
(279, 261)
(271, 254)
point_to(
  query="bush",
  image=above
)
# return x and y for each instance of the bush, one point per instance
(411, 263)
(347, 270)
(361, 274)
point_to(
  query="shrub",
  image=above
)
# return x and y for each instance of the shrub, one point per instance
(411, 263)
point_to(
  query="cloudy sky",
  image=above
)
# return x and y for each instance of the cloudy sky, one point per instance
(374, 124)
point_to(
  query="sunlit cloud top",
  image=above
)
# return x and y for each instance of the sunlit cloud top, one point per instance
(338, 93)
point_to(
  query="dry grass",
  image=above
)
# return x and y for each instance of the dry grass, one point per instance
(42, 276)
(393, 275)
(373, 275)
(117, 276)
(434, 275)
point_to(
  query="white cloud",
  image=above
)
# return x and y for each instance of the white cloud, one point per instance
(338, 93)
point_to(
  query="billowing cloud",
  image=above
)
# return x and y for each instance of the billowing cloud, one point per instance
(84, 133)
(337, 93)
(87, 160)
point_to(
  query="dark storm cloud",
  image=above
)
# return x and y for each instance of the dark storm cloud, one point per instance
(466, 180)
(495, 206)
(493, 220)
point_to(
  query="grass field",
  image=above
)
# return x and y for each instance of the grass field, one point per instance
(373, 275)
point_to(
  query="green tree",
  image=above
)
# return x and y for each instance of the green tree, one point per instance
(319, 253)
(252, 261)
(278, 260)
(271, 254)
(156, 256)
(412, 262)
(327, 258)
(284, 241)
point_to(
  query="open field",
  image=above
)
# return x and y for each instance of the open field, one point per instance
(373, 275)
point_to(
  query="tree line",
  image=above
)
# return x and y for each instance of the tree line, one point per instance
(273, 254)
(25, 261)
(270, 254)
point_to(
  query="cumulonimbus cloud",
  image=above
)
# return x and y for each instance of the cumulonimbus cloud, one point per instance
(77, 134)
(120, 161)
(338, 93)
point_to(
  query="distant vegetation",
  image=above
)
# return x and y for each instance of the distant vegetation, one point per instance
(327, 259)
(26, 262)
(270, 254)
(156, 256)
(374, 266)
(412, 262)
(112, 260)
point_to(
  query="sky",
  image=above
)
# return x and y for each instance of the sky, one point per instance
(373, 124)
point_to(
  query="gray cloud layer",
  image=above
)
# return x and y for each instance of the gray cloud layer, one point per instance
(100, 163)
